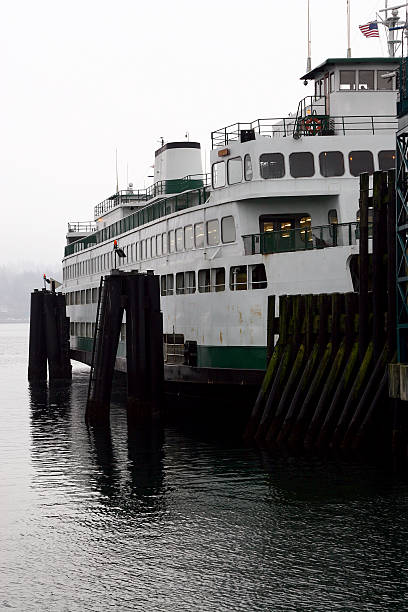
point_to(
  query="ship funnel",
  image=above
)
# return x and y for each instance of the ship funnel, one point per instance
(176, 160)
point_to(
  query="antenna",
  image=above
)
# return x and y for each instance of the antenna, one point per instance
(117, 177)
(309, 40)
(348, 30)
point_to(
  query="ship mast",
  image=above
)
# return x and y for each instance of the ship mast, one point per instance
(393, 24)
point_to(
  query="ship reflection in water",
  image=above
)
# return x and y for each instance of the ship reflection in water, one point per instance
(179, 519)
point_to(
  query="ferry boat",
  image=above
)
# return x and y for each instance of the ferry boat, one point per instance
(278, 214)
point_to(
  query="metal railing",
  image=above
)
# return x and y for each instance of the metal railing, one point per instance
(288, 126)
(151, 212)
(301, 239)
(83, 227)
(129, 197)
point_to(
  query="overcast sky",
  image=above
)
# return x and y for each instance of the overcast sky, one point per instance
(80, 78)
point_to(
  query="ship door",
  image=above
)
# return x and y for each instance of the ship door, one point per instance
(327, 92)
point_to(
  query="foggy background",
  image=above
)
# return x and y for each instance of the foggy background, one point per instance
(80, 79)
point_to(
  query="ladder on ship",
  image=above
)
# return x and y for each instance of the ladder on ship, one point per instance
(100, 311)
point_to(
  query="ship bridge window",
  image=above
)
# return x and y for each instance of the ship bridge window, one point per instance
(301, 164)
(228, 233)
(234, 169)
(386, 160)
(348, 80)
(366, 79)
(213, 232)
(199, 235)
(218, 174)
(238, 278)
(384, 83)
(248, 173)
(331, 163)
(361, 161)
(272, 165)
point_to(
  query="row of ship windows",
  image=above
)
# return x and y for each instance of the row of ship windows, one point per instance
(351, 80)
(182, 239)
(210, 280)
(302, 164)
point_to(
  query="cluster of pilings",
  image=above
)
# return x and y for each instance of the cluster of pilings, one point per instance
(326, 382)
(139, 296)
(49, 337)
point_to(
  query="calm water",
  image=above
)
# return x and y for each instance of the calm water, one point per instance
(108, 521)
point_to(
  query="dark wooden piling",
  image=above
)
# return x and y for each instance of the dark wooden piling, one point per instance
(49, 337)
(379, 268)
(138, 295)
(363, 306)
(106, 341)
(37, 359)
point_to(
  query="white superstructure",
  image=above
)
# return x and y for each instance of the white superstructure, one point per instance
(277, 216)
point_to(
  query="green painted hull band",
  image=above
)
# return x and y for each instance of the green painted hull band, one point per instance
(237, 357)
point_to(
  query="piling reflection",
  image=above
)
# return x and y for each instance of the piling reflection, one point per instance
(121, 464)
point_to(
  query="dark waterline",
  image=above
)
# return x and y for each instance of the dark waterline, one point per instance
(186, 521)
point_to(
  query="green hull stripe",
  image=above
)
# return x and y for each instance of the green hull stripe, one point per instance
(237, 357)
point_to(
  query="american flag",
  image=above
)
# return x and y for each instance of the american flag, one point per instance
(370, 29)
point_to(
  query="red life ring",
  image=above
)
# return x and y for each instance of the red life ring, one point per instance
(313, 125)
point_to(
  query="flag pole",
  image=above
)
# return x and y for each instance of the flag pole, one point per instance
(309, 41)
(348, 30)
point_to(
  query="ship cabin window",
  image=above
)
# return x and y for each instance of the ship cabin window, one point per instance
(285, 233)
(386, 160)
(331, 82)
(234, 169)
(188, 237)
(301, 164)
(331, 163)
(248, 173)
(88, 296)
(218, 279)
(238, 278)
(89, 330)
(158, 245)
(77, 297)
(213, 232)
(365, 79)
(94, 295)
(199, 235)
(189, 282)
(347, 80)
(153, 241)
(185, 282)
(257, 276)
(384, 83)
(361, 161)
(179, 239)
(167, 284)
(164, 244)
(204, 281)
(180, 283)
(332, 216)
(148, 248)
(172, 241)
(218, 174)
(272, 165)
(228, 233)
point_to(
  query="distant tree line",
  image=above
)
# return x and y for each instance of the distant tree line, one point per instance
(16, 287)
